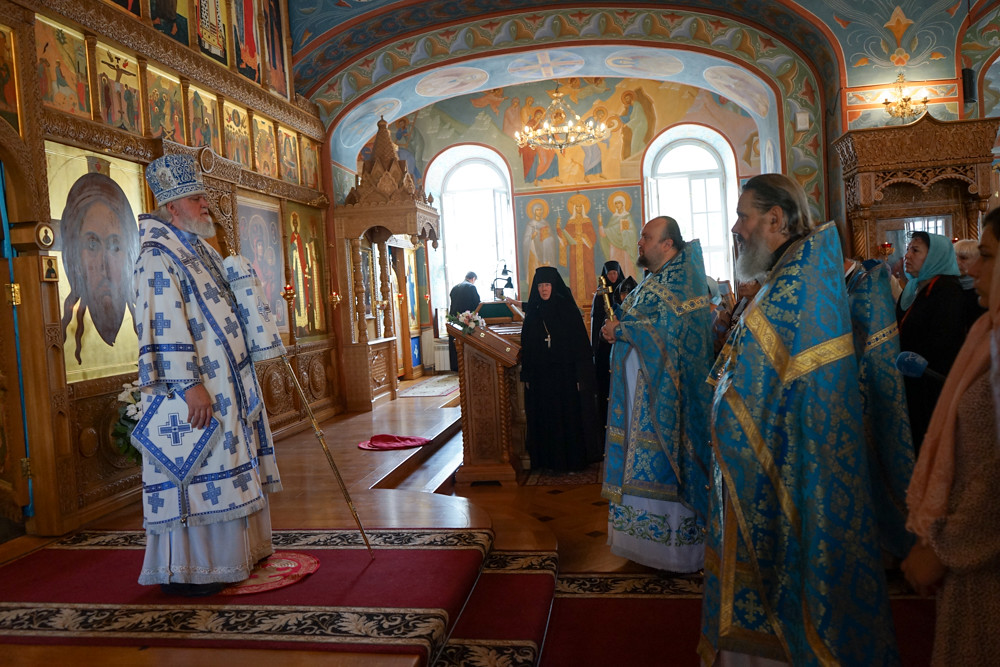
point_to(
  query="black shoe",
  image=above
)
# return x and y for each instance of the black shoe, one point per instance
(193, 590)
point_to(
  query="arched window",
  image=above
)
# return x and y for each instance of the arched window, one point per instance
(691, 178)
(477, 219)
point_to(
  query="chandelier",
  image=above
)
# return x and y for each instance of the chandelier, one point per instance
(902, 105)
(560, 127)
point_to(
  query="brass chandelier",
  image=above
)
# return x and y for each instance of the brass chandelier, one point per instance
(902, 105)
(560, 127)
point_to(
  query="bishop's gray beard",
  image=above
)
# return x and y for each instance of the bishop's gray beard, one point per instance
(754, 260)
(202, 228)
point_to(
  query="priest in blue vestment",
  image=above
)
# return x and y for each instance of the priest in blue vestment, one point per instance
(793, 568)
(655, 470)
(208, 455)
(883, 395)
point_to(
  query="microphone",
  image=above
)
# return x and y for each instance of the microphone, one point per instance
(912, 365)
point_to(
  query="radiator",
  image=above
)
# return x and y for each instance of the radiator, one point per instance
(441, 362)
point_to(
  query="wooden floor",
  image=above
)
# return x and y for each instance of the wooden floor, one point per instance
(570, 519)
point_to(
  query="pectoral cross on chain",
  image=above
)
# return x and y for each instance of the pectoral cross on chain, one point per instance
(548, 336)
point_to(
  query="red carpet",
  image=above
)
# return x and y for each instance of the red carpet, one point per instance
(648, 619)
(83, 590)
(504, 621)
(383, 441)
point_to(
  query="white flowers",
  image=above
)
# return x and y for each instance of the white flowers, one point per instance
(467, 320)
(471, 320)
(130, 398)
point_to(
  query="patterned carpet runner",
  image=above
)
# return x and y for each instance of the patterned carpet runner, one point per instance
(83, 590)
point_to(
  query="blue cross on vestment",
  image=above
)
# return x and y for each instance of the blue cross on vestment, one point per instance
(242, 481)
(212, 492)
(144, 369)
(211, 293)
(231, 327)
(158, 282)
(208, 367)
(160, 323)
(158, 233)
(221, 404)
(175, 430)
(230, 442)
(196, 328)
(160, 365)
(155, 502)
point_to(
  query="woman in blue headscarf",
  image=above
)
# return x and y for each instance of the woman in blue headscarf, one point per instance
(931, 321)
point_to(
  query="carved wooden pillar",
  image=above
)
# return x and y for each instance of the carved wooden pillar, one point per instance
(186, 108)
(359, 292)
(387, 296)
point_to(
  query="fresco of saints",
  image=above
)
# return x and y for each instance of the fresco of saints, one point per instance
(620, 236)
(576, 243)
(306, 274)
(539, 241)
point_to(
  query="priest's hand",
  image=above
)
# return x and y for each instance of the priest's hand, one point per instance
(923, 569)
(608, 330)
(199, 406)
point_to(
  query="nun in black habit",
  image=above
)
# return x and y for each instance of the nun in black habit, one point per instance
(620, 287)
(558, 373)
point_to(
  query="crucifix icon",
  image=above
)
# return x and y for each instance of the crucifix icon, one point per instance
(548, 336)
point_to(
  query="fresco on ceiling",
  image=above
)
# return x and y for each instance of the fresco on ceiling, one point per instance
(265, 147)
(237, 134)
(577, 232)
(171, 18)
(8, 86)
(118, 89)
(277, 68)
(205, 120)
(61, 68)
(165, 106)
(880, 37)
(635, 110)
(210, 26)
(245, 38)
(328, 35)
(793, 81)
(451, 81)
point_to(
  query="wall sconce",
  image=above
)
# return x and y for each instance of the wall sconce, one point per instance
(335, 299)
(885, 249)
(899, 103)
(288, 294)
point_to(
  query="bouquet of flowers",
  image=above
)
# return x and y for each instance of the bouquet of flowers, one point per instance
(468, 321)
(129, 412)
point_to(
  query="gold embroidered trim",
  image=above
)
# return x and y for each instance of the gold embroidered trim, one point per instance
(882, 336)
(788, 367)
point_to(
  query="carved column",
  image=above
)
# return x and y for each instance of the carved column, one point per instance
(387, 296)
(186, 108)
(359, 292)
(95, 92)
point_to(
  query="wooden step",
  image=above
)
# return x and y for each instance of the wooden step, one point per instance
(419, 457)
(437, 473)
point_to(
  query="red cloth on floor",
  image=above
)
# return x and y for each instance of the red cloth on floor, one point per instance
(383, 441)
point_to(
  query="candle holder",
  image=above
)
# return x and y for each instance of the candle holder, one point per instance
(885, 249)
(288, 294)
(335, 299)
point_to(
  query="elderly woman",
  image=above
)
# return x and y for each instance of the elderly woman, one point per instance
(930, 315)
(557, 369)
(952, 499)
(967, 252)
